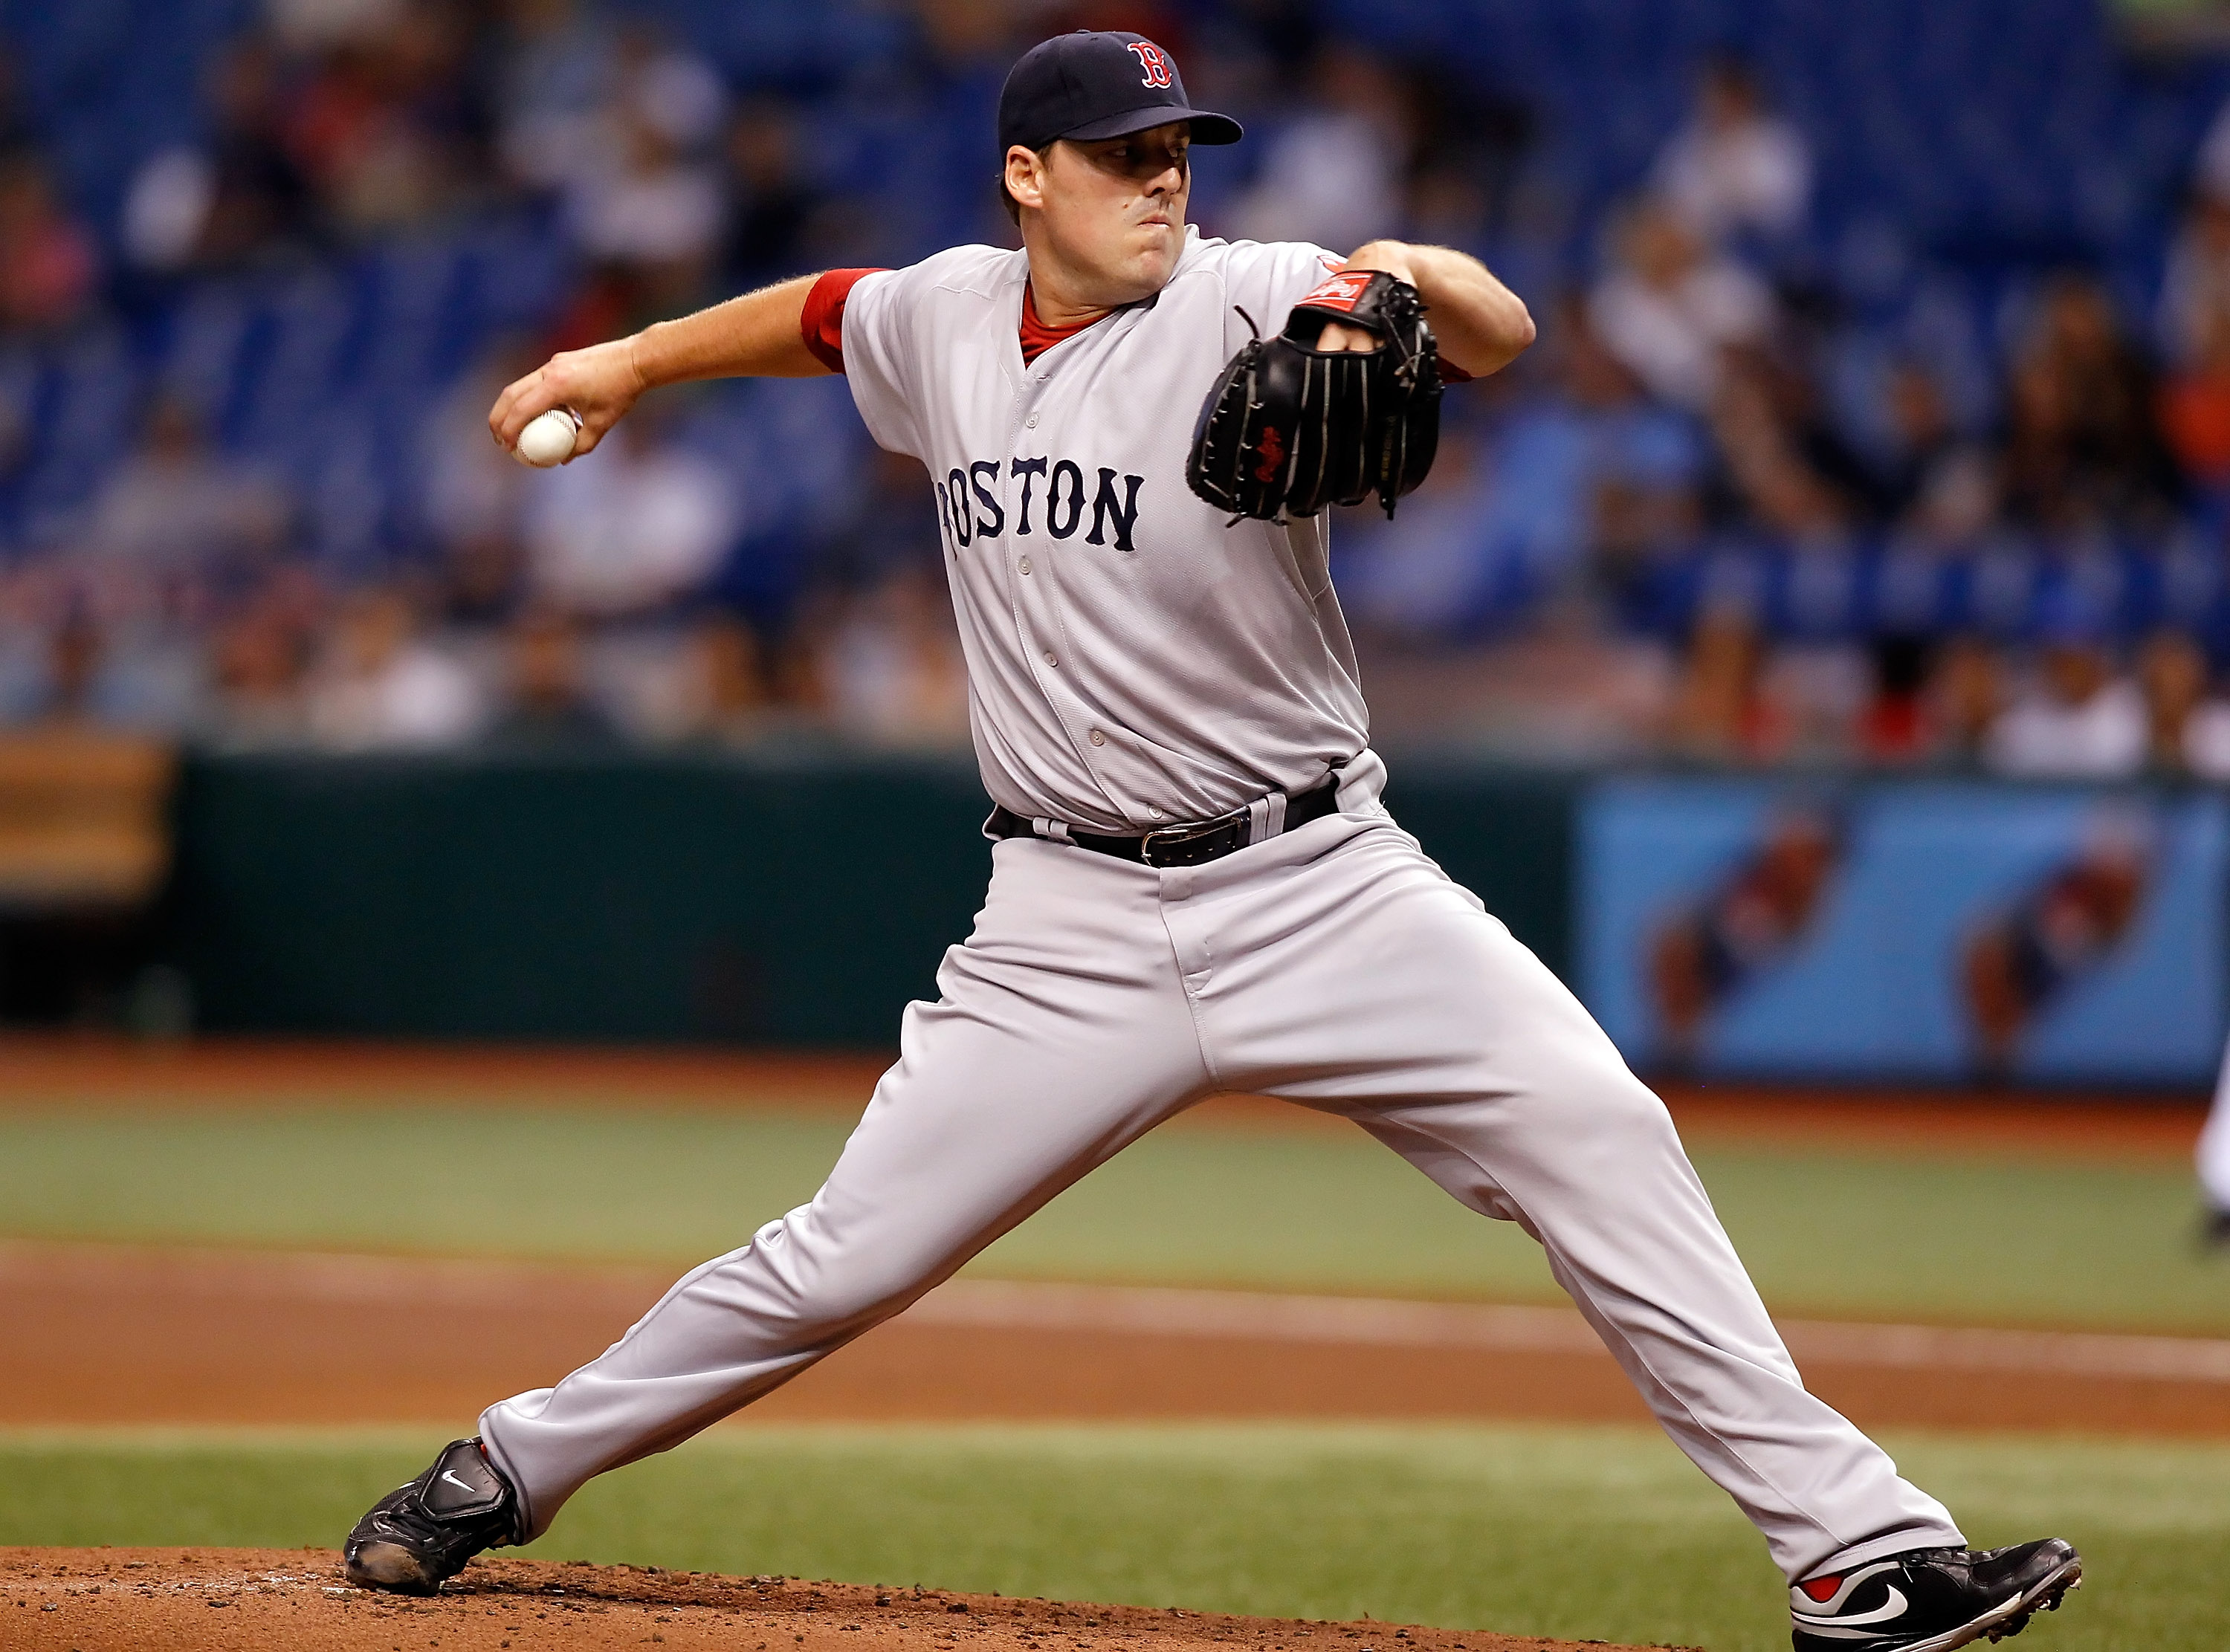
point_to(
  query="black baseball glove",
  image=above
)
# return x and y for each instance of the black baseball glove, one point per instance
(1290, 428)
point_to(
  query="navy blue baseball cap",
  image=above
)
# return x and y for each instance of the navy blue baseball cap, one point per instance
(1099, 84)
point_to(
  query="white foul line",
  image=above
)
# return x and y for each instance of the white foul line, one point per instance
(1156, 1311)
(1379, 1322)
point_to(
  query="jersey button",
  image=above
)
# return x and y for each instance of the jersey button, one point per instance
(1153, 814)
(1052, 658)
(1024, 564)
(1031, 422)
(1098, 738)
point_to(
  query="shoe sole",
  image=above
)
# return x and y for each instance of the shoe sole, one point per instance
(389, 1566)
(2010, 1619)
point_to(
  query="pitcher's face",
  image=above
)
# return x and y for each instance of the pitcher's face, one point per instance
(1111, 211)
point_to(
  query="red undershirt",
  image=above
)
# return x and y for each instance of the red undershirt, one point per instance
(822, 323)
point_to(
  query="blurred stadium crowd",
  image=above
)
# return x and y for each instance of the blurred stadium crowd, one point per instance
(1881, 414)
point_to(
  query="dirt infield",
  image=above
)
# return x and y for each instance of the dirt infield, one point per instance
(101, 1334)
(93, 1600)
(87, 1070)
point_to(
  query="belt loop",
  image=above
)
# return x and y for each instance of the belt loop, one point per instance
(1057, 830)
(1258, 829)
(1274, 807)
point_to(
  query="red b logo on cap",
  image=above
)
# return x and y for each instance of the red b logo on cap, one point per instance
(1155, 63)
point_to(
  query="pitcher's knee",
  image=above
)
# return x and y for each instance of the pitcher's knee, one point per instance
(1611, 1105)
(820, 1282)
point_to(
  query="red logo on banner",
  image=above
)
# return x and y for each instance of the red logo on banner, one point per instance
(1154, 60)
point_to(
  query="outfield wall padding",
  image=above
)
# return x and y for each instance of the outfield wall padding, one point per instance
(794, 899)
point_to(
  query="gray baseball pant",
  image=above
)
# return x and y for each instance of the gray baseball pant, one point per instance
(1334, 966)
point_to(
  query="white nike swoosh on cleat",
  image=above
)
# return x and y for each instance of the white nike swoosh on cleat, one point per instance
(1879, 1615)
(450, 1474)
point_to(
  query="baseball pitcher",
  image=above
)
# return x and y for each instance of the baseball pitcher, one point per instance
(1132, 431)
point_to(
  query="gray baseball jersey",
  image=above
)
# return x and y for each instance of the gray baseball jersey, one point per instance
(1133, 659)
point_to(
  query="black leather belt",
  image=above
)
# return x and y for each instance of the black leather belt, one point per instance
(1193, 844)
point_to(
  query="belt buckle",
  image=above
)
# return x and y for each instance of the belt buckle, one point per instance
(1192, 831)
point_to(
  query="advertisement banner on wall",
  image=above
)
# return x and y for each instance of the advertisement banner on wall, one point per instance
(1938, 930)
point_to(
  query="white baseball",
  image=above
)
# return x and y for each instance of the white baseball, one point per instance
(548, 438)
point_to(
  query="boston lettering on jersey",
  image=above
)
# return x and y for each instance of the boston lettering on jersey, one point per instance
(1052, 499)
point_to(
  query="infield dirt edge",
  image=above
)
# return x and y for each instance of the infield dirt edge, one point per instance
(192, 1600)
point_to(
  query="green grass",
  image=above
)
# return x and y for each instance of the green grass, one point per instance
(1958, 1238)
(1603, 1532)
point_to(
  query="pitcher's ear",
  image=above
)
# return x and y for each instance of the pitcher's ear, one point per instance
(1025, 173)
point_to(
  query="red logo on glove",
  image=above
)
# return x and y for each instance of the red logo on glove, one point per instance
(1274, 454)
(1155, 61)
(1339, 292)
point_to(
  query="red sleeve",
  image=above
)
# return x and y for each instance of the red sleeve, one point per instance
(822, 322)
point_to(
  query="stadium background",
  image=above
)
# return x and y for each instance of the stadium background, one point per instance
(1815, 649)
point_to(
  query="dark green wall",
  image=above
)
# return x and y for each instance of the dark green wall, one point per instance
(796, 900)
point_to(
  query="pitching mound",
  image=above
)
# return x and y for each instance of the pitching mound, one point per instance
(95, 1600)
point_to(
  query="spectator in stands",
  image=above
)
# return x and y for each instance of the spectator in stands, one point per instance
(2082, 447)
(1467, 148)
(1795, 476)
(1333, 175)
(1966, 694)
(1718, 713)
(548, 703)
(645, 203)
(889, 665)
(2077, 719)
(2194, 410)
(631, 527)
(386, 126)
(1430, 577)
(672, 88)
(773, 204)
(2172, 673)
(49, 264)
(558, 61)
(1642, 464)
(886, 529)
(74, 662)
(1933, 700)
(1893, 729)
(474, 493)
(1671, 308)
(2205, 744)
(1735, 169)
(239, 197)
(381, 687)
(724, 694)
(1940, 487)
(93, 671)
(260, 663)
(1815, 693)
(2195, 301)
(175, 506)
(1590, 484)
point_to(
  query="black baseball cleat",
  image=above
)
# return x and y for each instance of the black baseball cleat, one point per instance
(420, 1535)
(1931, 1600)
